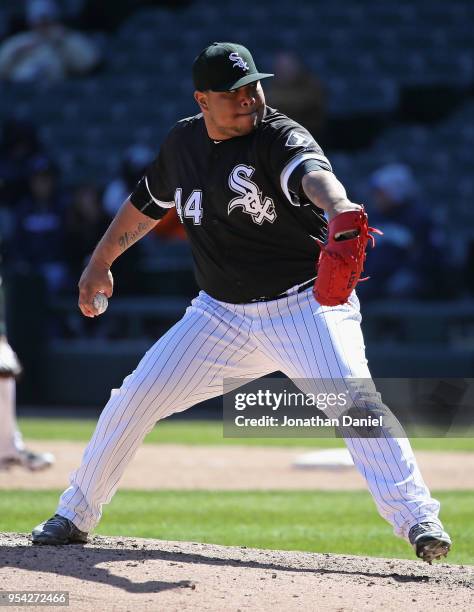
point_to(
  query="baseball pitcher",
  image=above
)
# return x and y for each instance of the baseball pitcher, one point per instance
(278, 250)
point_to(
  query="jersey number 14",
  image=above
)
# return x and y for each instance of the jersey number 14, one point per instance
(192, 208)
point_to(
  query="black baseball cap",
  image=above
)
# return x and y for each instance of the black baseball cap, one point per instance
(223, 66)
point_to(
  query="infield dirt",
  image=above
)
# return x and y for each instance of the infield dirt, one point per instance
(182, 467)
(125, 574)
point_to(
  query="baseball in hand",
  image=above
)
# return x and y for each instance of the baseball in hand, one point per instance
(100, 303)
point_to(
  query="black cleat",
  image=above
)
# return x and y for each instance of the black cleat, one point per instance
(57, 530)
(430, 542)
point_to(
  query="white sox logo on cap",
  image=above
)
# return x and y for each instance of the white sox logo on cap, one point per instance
(238, 61)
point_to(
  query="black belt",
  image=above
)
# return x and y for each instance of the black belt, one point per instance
(287, 293)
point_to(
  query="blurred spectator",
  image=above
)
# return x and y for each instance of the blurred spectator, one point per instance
(48, 51)
(18, 145)
(408, 257)
(136, 158)
(38, 242)
(85, 223)
(297, 92)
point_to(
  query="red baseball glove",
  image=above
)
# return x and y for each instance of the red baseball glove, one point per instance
(341, 260)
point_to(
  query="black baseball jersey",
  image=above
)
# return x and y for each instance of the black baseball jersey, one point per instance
(252, 230)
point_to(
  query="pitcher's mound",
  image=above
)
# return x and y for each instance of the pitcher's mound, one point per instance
(136, 574)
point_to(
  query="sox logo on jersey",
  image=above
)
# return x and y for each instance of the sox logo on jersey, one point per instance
(251, 200)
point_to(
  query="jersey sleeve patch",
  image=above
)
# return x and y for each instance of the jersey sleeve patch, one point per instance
(297, 139)
(289, 144)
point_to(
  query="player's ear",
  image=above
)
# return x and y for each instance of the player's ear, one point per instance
(201, 99)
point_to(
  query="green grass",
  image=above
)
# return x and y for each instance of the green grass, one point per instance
(337, 522)
(207, 432)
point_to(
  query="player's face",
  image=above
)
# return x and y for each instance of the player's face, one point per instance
(232, 113)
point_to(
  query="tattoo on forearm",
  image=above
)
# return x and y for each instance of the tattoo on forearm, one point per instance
(128, 238)
(324, 191)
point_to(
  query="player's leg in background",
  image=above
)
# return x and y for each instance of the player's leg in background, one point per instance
(9, 368)
(8, 428)
(12, 448)
(187, 365)
(316, 342)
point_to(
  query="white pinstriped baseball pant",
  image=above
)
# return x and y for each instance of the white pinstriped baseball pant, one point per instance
(215, 340)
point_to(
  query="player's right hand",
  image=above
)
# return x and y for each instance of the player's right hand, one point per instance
(95, 278)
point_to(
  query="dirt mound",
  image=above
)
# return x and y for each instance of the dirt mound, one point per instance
(136, 574)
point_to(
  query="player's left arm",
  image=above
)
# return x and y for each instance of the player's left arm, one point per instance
(327, 192)
(304, 170)
(342, 258)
